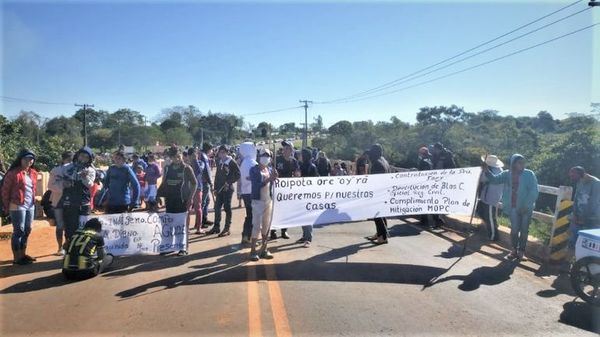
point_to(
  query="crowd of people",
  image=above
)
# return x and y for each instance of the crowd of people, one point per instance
(77, 188)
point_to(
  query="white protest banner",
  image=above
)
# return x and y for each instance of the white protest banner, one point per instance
(142, 233)
(321, 200)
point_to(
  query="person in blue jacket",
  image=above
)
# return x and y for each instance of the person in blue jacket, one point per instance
(123, 188)
(518, 200)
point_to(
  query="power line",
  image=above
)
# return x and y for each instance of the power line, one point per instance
(468, 57)
(391, 83)
(273, 111)
(472, 67)
(26, 100)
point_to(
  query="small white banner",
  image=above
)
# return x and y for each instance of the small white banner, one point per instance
(322, 200)
(142, 233)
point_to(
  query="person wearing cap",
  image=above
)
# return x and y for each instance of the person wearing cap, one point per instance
(135, 160)
(55, 184)
(489, 196)
(262, 177)
(287, 167)
(586, 202)
(177, 187)
(379, 165)
(228, 173)
(519, 194)
(78, 179)
(18, 194)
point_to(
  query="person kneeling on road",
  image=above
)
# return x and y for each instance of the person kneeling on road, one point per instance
(85, 257)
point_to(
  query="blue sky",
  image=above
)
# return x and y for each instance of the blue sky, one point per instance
(247, 57)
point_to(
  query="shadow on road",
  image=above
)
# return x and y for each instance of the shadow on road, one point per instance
(490, 276)
(581, 315)
(234, 268)
(36, 267)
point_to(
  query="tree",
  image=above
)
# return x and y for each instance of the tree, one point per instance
(341, 128)
(317, 126)
(427, 115)
(288, 128)
(264, 129)
(179, 136)
(94, 118)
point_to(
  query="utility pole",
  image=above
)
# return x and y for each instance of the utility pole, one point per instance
(305, 138)
(85, 106)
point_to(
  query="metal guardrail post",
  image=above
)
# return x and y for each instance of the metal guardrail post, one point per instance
(559, 238)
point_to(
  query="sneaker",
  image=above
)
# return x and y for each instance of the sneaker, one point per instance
(285, 235)
(273, 235)
(254, 257)
(306, 244)
(266, 255)
(513, 255)
(224, 233)
(200, 232)
(182, 253)
(214, 230)
(23, 262)
(301, 240)
(60, 252)
(245, 240)
(29, 258)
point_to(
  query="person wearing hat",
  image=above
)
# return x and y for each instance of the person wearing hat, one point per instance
(262, 177)
(18, 193)
(228, 173)
(287, 167)
(489, 196)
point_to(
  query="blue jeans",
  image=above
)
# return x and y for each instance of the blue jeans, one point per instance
(519, 228)
(205, 202)
(307, 233)
(21, 221)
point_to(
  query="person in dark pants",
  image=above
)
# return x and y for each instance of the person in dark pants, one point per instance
(489, 196)
(78, 178)
(287, 167)
(248, 154)
(85, 257)
(178, 186)
(425, 164)
(307, 169)
(228, 173)
(207, 183)
(379, 165)
(122, 186)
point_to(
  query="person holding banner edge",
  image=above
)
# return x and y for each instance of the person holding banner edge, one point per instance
(379, 165)
(287, 167)
(307, 169)
(262, 177)
(178, 186)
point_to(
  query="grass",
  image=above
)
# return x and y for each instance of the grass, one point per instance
(537, 229)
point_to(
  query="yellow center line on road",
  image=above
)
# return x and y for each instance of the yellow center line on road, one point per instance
(254, 319)
(280, 317)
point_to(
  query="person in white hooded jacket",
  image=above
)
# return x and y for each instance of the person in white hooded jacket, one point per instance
(248, 155)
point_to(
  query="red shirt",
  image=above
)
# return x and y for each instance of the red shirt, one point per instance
(13, 188)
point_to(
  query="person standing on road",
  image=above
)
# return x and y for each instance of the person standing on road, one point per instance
(122, 186)
(85, 257)
(518, 200)
(262, 177)
(287, 167)
(153, 172)
(307, 169)
(55, 185)
(323, 164)
(586, 202)
(362, 164)
(248, 155)
(178, 187)
(199, 168)
(379, 165)
(228, 173)
(442, 157)
(18, 193)
(207, 183)
(425, 164)
(489, 196)
(78, 179)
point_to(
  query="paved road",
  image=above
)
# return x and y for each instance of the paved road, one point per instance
(341, 286)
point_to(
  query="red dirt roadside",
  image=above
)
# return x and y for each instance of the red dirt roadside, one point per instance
(41, 243)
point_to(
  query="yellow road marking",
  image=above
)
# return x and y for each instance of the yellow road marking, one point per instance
(280, 317)
(254, 318)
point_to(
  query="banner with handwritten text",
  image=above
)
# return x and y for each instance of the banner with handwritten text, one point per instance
(142, 233)
(322, 200)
